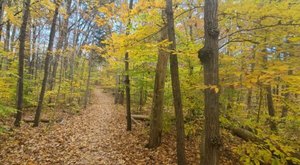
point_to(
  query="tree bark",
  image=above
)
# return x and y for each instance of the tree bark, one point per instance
(119, 93)
(33, 54)
(1, 16)
(72, 61)
(21, 63)
(12, 38)
(158, 94)
(259, 104)
(7, 42)
(176, 85)
(87, 90)
(209, 57)
(284, 111)
(271, 109)
(127, 81)
(46, 68)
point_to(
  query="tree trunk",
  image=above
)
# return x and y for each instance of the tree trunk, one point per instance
(119, 93)
(176, 85)
(87, 90)
(72, 61)
(287, 97)
(158, 94)
(12, 38)
(1, 16)
(1, 27)
(33, 54)
(249, 100)
(21, 63)
(46, 68)
(141, 94)
(259, 104)
(5, 61)
(62, 35)
(65, 45)
(127, 81)
(6, 42)
(271, 109)
(209, 56)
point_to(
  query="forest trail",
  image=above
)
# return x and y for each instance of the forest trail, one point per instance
(97, 136)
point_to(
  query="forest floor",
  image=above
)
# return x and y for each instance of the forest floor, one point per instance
(95, 136)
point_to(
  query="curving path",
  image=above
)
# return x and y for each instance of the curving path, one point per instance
(95, 137)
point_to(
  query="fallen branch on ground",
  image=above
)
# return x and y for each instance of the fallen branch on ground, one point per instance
(43, 120)
(140, 117)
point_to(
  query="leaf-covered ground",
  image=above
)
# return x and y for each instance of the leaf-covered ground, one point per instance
(96, 136)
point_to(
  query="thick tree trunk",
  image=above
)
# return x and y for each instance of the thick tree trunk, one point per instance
(127, 81)
(21, 63)
(127, 92)
(158, 94)
(46, 68)
(176, 85)
(209, 57)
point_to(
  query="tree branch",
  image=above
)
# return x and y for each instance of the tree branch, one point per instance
(258, 28)
(238, 40)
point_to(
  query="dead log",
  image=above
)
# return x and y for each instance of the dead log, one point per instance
(249, 136)
(140, 117)
(43, 120)
(244, 134)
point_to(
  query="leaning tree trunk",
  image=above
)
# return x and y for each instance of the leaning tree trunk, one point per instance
(158, 94)
(127, 81)
(46, 68)
(209, 56)
(21, 63)
(176, 85)
(63, 34)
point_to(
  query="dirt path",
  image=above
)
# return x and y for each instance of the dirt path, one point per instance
(95, 137)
